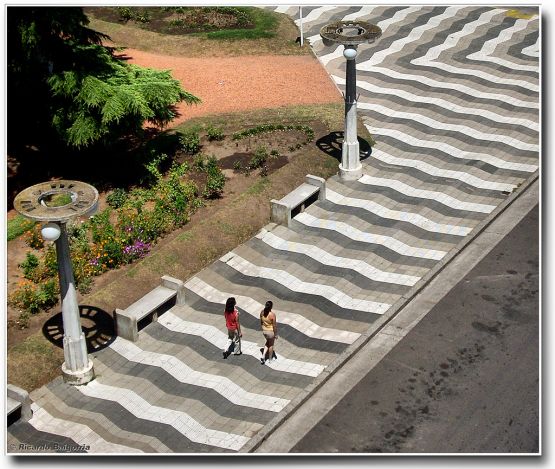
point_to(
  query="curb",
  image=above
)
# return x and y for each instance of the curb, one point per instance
(379, 325)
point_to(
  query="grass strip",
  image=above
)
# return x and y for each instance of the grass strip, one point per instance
(17, 226)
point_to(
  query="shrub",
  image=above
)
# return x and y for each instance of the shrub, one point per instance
(173, 197)
(216, 179)
(237, 166)
(50, 262)
(116, 198)
(142, 16)
(85, 285)
(29, 265)
(33, 297)
(100, 244)
(125, 13)
(190, 142)
(265, 128)
(101, 227)
(259, 158)
(33, 237)
(178, 23)
(215, 133)
(23, 319)
(199, 162)
(274, 154)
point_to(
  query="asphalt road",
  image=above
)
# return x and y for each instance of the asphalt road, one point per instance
(465, 379)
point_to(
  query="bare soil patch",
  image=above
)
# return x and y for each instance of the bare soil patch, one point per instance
(232, 84)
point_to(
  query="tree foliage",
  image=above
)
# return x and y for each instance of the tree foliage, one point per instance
(62, 78)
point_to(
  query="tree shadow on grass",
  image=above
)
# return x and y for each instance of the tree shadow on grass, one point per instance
(97, 325)
(331, 145)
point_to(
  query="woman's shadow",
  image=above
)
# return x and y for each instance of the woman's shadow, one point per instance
(331, 144)
(97, 325)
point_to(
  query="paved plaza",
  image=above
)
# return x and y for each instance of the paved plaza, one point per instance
(451, 97)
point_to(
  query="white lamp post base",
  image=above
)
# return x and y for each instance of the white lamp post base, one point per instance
(350, 174)
(79, 377)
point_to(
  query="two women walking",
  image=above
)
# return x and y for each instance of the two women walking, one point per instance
(268, 323)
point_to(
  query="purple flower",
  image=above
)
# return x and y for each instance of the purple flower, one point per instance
(136, 250)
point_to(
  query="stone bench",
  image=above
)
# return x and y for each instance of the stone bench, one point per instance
(283, 210)
(18, 404)
(131, 320)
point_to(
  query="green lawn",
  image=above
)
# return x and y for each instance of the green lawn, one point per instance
(17, 226)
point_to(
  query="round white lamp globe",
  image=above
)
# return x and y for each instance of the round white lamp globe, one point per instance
(350, 53)
(50, 232)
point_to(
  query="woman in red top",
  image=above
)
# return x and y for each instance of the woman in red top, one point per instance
(234, 333)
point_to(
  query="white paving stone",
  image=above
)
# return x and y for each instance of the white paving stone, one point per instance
(357, 235)
(485, 54)
(295, 284)
(181, 421)
(294, 320)
(324, 257)
(414, 35)
(444, 84)
(81, 434)
(459, 128)
(445, 173)
(219, 339)
(384, 212)
(437, 196)
(442, 103)
(451, 150)
(186, 374)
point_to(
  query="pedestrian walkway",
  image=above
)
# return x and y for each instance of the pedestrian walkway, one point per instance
(450, 95)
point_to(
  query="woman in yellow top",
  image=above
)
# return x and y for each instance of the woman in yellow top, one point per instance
(269, 329)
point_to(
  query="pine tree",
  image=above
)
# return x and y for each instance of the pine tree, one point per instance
(61, 78)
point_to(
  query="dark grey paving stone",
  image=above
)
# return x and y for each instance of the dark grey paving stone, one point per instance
(32, 440)
(248, 363)
(516, 49)
(286, 331)
(440, 181)
(337, 212)
(125, 420)
(362, 192)
(161, 379)
(316, 267)
(280, 291)
(350, 244)
(442, 114)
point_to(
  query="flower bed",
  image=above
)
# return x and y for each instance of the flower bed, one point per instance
(122, 233)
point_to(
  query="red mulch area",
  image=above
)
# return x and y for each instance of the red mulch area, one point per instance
(231, 84)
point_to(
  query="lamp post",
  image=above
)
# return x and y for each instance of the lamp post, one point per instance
(350, 34)
(54, 204)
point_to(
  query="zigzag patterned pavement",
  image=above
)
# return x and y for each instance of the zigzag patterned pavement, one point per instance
(451, 96)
